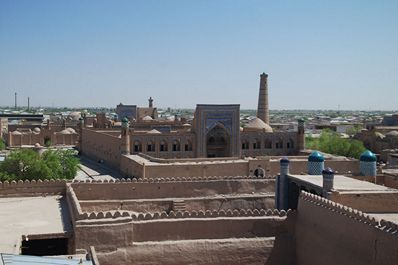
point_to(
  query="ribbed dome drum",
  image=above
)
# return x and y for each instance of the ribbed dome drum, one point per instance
(315, 163)
(367, 164)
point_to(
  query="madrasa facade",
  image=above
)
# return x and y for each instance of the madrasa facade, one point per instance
(215, 131)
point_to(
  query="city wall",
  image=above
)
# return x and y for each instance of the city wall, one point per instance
(140, 189)
(31, 188)
(380, 202)
(329, 233)
(122, 230)
(298, 167)
(193, 204)
(101, 146)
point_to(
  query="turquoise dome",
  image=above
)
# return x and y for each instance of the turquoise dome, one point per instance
(316, 156)
(125, 120)
(368, 156)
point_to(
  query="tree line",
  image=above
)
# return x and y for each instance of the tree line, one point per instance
(330, 142)
(27, 164)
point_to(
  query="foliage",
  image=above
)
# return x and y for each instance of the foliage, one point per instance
(2, 145)
(28, 164)
(354, 130)
(47, 142)
(331, 142)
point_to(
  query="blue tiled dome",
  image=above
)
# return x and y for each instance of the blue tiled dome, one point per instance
(368, 156)
(316, 156)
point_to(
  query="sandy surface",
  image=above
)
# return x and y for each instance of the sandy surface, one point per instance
(31, 216)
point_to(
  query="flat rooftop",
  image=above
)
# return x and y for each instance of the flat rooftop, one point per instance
(31, 216)
(343, 184)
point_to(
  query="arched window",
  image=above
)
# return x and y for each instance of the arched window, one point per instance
(268, 144)
(257, 144)
(137, 146)
(245, 144)
(163, 146)
(290, 144)
(188, 145)
(176, 146)
(150, 147)
(279, 144)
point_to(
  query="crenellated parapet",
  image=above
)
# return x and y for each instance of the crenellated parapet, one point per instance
(132, 216)
(183, 179)
(32, 187)
(349, 212)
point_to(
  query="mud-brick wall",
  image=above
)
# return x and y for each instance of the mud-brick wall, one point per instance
(131, 190)
(335, 236)
(107, 237)
(32, 188)
(99, 145)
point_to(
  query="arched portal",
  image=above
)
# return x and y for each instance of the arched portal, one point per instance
(218, 142)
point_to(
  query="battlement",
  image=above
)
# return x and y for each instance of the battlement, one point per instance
(131, 216)
(178, 179)
(32, 188)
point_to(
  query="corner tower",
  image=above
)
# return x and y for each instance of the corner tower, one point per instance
(262, 108)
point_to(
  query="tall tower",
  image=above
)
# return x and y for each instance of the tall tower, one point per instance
(15, 99)
(125, 135)
(150, 102)
(262, 109)
(300, 135)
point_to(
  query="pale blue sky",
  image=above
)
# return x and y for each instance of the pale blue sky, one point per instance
(318, 54)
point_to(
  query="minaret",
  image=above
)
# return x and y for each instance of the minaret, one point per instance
(125, 135)
(80, 141)
(262, 109)
(150, 102)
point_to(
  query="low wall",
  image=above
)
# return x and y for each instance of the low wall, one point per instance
(297, 167)
(32, 188)
(122, 230)
(329, 233)
(253, 251)
(380, 202)
(172, 189)
(145, 206)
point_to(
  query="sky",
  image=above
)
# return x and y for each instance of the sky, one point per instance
(337, 54)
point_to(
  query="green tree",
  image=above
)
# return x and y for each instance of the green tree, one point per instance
(2, 144)
(330, 142)
(28, 164)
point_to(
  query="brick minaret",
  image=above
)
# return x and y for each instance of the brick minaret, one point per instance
(125, 136)
(262, 109)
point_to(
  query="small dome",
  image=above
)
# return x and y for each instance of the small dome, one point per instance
(75, 115)
(258, 124)
(37, 145)
(147, 118)
(71, 130)
(16, 133)
(153, 132)
(327, 171)
(316, 156)
(379, 135)
(65, 131)
(187, 125)
(392, 133)
(284, 160)
(125, 120)
(368, 156)
(36, 130)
